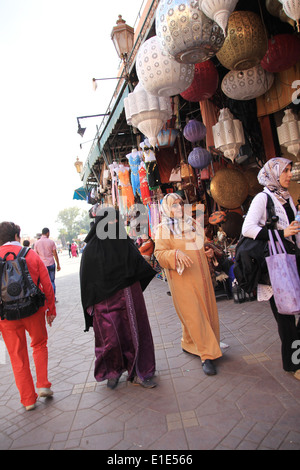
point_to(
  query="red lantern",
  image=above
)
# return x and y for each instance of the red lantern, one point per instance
(283, 52)
(205, 82)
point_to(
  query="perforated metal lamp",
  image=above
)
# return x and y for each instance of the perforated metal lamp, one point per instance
(289, 133)
(79, 165)
(123, 38)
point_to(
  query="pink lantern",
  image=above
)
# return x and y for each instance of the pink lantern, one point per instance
(205, 82)
(194, 131)
(199, 158)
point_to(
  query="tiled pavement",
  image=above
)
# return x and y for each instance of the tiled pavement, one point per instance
(250, 404)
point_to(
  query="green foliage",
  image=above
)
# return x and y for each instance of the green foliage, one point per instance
(73, 222)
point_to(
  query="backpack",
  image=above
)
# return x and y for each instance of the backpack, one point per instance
(250, 267)
(19, 296)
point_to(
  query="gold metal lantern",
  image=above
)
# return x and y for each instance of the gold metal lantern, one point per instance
(246, 42)
(229, 188)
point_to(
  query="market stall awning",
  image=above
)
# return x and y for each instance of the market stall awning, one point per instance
(80, 194)
(95, 152)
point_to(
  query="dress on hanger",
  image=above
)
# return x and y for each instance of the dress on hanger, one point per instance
(144, 187)
(134, 159)
(126, 188)
(152, 169)
(114, 183)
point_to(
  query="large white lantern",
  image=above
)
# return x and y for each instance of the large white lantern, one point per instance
(219, 11)
(185, 32)
(289, 133)
(159, 73)
(228, 134)
(247, 84)
(147, 112)
(292, 10)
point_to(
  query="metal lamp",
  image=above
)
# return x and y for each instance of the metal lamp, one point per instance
(289, 133)
(123, 38)
(79, 165)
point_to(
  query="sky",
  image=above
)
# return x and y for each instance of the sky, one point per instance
(50, 51)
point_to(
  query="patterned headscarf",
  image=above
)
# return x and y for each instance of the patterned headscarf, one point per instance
(176, 226)
(269, 177)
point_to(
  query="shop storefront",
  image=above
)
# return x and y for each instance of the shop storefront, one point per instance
(208, 97)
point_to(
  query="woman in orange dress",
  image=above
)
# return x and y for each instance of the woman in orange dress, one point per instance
(179, 250)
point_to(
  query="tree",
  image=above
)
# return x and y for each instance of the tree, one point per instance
(73, 222)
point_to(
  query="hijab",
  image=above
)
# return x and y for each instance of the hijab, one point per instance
(176, 226)
(110, 261)
(269, 177)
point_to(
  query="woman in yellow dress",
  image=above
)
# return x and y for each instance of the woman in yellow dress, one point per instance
(179, 249)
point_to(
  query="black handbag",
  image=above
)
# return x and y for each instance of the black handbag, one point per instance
(250, 267)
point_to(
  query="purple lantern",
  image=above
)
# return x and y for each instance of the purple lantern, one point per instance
(199, 158)
(194, 131)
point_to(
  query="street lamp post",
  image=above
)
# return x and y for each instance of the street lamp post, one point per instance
(79, 165)
(122, 36)
(81, 130)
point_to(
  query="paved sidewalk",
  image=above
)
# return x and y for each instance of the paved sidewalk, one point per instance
(250, 404)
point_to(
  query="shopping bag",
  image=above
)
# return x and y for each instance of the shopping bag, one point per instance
(284, 277)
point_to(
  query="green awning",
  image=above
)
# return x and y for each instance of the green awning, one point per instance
(95, 152)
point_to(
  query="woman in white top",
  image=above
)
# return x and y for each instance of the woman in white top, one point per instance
(275, 176)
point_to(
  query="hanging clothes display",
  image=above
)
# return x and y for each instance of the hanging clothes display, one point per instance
(144, 186)
(114, 183)
(125, 186)
(135, 159)
(152, 169)
(154, 216)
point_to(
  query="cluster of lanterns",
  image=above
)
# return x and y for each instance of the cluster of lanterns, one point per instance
(177, 61)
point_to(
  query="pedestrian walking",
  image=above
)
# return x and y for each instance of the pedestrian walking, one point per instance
(46, 249)
(178, 251)
(113, 276)
(74, 250)
(275, 176)
(14, 331)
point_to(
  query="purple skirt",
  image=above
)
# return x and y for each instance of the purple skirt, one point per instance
(123, 338)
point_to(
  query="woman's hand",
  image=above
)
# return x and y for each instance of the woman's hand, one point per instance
(209, 253)
(50, 319)
(292, 229)
(184, 259)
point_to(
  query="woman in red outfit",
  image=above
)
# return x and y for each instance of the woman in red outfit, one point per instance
(14, 331)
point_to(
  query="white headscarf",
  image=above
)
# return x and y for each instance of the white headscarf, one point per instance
(269, 177)
(176, 226)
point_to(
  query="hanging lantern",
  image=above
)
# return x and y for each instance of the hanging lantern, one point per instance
(296, 172)
(247, 84)
(147, 112)
(219, 11)
(205, 83)
(186, 32)
(292, 10)
(167, 137)
(159, 73)
(246, 42)
(199, 158)
(229, 188)
(283, 52)
(289, 133)
(275, 8)
(194, 131)
(228, 134)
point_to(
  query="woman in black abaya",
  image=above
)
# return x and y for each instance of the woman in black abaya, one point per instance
(113, 276)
